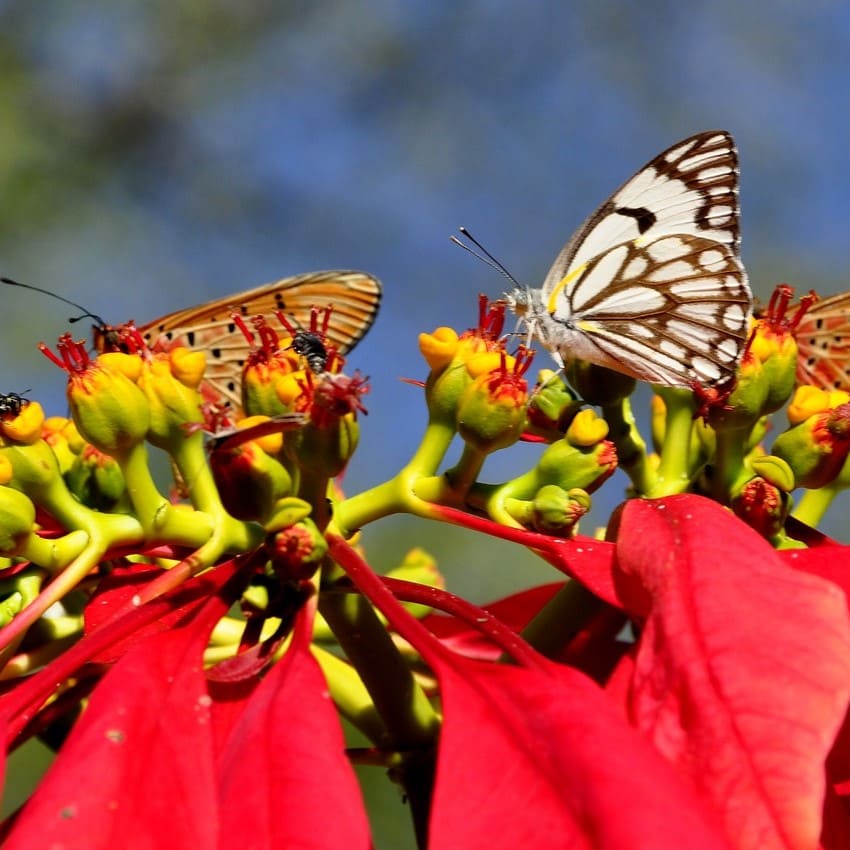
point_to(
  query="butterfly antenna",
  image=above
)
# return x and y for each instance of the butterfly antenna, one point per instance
(85, 313)
(485, 256)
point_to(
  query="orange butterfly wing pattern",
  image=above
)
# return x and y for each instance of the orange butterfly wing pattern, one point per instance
(823, 341)
(354, 296)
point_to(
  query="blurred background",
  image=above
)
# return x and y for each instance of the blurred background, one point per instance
(155, 155)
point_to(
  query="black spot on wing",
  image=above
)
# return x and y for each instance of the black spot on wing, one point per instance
(643, 217)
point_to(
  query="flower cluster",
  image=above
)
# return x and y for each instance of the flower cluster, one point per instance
(204, 629)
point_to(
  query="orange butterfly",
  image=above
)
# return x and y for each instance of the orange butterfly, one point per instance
(354, 297)
(823, 342)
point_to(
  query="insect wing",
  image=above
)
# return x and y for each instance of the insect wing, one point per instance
(673, 311)
(691, 188)
(354, 297)
(823, 342)
(651, 284)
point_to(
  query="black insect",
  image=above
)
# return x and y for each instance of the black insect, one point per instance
(11, 404)
(311, 346)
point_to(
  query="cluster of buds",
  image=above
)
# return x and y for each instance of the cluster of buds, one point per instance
(73, 490)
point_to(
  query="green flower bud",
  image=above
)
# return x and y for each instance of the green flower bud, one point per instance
(491, 411)
(571, 466)
(33, 467)
(296, 552)
(171, 400)
(325, 451)
(17, 520)
(249, 481)
(775, 471)
(288, 511)
(817, 447)
(418, 566)
(552, 511)
(96, 479)
(455, 360)
(767, 372)
(109, 409)
(552, 405)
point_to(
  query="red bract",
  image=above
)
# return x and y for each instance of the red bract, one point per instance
(742, 670)
(167, 755)
(538, 756)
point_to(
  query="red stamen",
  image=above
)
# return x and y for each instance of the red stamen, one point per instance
(491, 318)
(240, 323)
(802, 308)
(73, 356)
(284, 320)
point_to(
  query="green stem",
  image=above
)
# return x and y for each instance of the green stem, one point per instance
(160, 520)
(349, 694)
(409, 720)
(562, 618)
(464, 474)
(814, 504)
(673, 475)
(631, 447)
(397, 495)
(226, 533)
(728, 466)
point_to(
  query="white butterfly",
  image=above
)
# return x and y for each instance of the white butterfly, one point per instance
(652, 285)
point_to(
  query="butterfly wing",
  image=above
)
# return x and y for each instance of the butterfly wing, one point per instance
(823, 342)
(651, 284)
(354, 296)
(673, 311)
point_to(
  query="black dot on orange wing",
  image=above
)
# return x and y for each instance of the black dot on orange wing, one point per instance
(811, 361)
(190, 338)
(169, 335)
(243, 310)
(231, 328)
(819, 323)
(278, 299)
(216, 353)
(231, 386)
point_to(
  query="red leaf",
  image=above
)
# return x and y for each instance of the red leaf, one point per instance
(284, 778)
(137, 770)
(829, 561)
(538, 756)
(514, 611)
(114, 594)
(541, 758)
(742, 673)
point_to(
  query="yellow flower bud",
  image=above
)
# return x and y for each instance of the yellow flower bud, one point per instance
(439, 348)
(187, 366)
(26, 426)
(587, 429)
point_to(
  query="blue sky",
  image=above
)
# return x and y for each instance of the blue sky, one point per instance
(360, 135)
